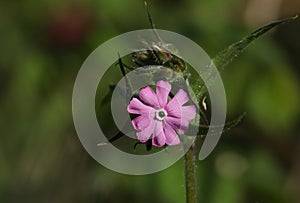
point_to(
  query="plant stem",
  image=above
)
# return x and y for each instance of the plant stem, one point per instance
(190, 176)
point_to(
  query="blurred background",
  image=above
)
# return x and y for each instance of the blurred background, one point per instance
(43, 44)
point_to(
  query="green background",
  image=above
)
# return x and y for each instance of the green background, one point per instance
(43, 44)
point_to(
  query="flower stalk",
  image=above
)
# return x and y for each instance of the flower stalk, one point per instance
(190, 175)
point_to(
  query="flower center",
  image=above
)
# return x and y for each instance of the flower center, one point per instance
(161, 114)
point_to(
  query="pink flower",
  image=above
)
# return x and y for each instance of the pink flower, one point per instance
(160, 119)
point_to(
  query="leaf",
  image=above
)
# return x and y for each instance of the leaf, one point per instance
(226, 56)
(203, 129)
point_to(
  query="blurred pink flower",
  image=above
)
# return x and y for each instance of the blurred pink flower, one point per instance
(161, 118)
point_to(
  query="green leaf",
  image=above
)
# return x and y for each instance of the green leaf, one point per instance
(226, 56)
(203, 129)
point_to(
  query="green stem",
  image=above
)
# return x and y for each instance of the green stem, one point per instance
(190, 176)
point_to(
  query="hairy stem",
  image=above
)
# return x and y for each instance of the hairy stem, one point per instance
(190, 176)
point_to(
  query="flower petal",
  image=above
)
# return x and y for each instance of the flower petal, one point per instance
(137, 107)
(162, 91)
(158, 128)
(145, 134)
(158, 138)
(171, 136)
(181, 96)
(188, 112)
(179, 124)
(173, 109)
(149, 97)
(141, 122)
(174, 106)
